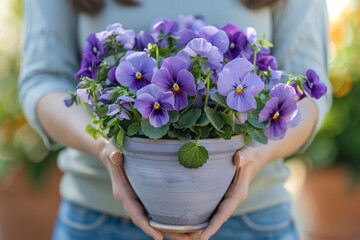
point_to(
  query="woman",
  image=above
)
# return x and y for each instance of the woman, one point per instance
(97, 199)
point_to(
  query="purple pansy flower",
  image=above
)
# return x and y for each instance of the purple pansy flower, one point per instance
(201, 47)
(237, 41)
(266, 62)
(175, 77)
(184, 37)
(190, 22)
(165, 26)
(120, 108)
(95, 47)
(274, 78)
(281, 111)
(112, 77)
(239, 84)
(88, 66)
(154, 103)
(136, 70)
(142, 40)
(83, 94)
(216, 37)
(125, 37)
(313, 86)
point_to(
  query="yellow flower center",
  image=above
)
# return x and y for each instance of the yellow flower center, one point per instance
(276, 116)
(176, 88)
(239, 90)
(232, 45)
(156, 106)
(95, 50)
(138, 75)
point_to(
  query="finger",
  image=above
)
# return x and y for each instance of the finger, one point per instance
(242, 157)
(137, 214)
(116, 158)
(235, 195)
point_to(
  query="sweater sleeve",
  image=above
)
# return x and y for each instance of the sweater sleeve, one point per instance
(49, 56)
(301, 42)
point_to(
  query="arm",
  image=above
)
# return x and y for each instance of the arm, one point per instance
(300, 39)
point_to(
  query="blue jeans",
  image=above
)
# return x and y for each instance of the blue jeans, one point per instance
(77, 223)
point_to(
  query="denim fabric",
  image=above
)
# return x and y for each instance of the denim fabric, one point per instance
(79, 223)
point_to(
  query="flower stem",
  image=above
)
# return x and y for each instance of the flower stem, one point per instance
(157, 56)
(85, 106)
(207, 89)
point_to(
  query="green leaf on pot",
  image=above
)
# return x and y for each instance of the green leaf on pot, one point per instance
(258, 135)
(188, 118)
(192, 156)
(152, 132)
(215, 118)
(133, 129)
(173, 116)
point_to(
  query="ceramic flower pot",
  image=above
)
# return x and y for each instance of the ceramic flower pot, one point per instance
(177, 198)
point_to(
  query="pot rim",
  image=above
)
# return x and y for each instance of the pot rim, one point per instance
(177, 141)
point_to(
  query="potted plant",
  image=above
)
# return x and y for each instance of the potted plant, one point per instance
(179, 101)
(331, 190)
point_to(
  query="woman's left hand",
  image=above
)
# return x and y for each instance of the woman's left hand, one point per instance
(248, 160)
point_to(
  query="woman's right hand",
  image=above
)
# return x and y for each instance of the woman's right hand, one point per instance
(123, 192)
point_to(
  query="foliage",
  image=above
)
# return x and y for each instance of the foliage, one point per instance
(187, 80)
(338, 141)
(20, 145)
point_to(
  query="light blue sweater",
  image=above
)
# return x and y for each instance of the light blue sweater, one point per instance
(55, 34)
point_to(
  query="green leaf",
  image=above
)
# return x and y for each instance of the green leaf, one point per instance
(258, 135)
(203, 120)
(188, 118)
(215, 118)
(227, 133)
(173, 116)
(120, 139)
(253, 119)
(219, 99)
(133, 129)
(192, 156)
(92, 131)
(184, 135)
(228, 119)
(152, 132)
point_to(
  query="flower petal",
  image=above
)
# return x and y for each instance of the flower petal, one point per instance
(277, 129)
(159, 118)
(271, 107)
(253, 83)
(186, 82)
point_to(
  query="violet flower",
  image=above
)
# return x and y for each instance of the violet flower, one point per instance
(95, 47)
(175, 77)
(88, 66)
(143, 39)
(120, 108)
(237, 41)
(112, 77)
(204, 49)
(239, 84)
(216, 37)
(154, 103)
(313, 86)
(136, 70)
(281, 111)
(266, 62)
(191, 22)
(123, 36)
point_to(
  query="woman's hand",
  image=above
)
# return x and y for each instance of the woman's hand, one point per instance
(248, 160)
(123, 192)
